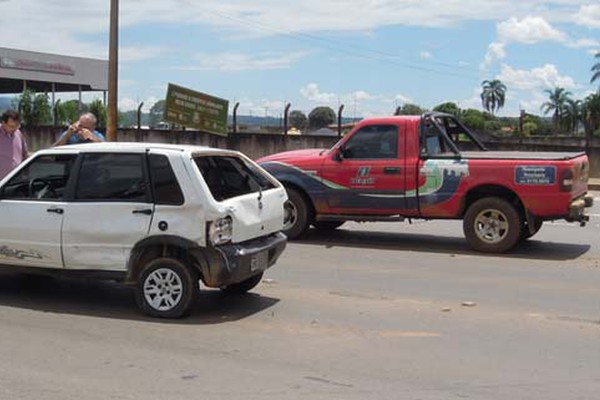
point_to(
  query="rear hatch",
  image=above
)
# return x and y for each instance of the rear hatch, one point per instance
(253, 198)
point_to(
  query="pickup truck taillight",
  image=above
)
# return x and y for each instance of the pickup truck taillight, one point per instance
(566, 180)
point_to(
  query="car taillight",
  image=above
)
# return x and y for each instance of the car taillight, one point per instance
(566, 180)
(220, 231)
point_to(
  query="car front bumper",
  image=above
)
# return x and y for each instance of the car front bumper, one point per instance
(234, 263)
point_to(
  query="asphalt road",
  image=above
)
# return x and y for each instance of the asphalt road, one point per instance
(373, 311)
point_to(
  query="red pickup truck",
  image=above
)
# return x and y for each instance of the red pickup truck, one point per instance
(394, 168)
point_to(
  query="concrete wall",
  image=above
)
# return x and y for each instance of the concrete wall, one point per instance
(258, 145)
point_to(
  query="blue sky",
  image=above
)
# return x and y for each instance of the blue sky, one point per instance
(370, 55)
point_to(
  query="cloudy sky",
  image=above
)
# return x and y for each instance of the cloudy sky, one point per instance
(370, 55)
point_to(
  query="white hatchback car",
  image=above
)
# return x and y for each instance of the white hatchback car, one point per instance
(161, 217)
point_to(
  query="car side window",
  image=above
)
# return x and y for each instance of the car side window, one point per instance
(373, 142)
(164, 182)
(112, 177)
(44, 178)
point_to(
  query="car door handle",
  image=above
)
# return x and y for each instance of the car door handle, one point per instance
(145, 211)
(391, 170)
(55, 210)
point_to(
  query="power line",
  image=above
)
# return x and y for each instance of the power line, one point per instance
(332, 45)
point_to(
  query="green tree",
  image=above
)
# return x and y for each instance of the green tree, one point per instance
(97, 108)
(529, 128)
(157, 113)
(572, 115)
(409, 109)
(298, 119)
(557, 102)
(320, 117)
(493, 95)
(590, 111)
(448, 108)
(34, 108)
(473, 119)
(596, 69)
(67, 112)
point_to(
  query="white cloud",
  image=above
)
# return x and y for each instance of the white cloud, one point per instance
(529, 30)
(583, 43)
(593, 52)
(496, 51)
(425, 55)
(139, 53)
(243, 62)
(588, 15)
(545, 77)
(312, 93)
(129, 104)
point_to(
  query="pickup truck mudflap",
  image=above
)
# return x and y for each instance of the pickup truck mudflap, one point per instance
(577, 209)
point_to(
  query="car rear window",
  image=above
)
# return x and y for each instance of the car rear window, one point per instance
(230, 176)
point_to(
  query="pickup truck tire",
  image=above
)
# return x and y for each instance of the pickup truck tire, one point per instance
(243, 286)
(327, 225)
(492, 225)
(299, 215)
(166, 288)
(526, 234)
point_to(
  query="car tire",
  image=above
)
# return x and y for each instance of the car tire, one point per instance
(166, 288)
(300, 215)
(243, 286)
(526, 234)
(492, 225)
(327, 225)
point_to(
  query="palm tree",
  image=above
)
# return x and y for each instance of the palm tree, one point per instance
(558, 99)
(572, 115)
(493, 95)
(596, 69)
(591, 115)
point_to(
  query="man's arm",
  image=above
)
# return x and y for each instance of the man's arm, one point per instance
(64, 138)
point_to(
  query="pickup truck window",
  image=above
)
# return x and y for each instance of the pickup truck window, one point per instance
(112, 177)
(45, 178)
(373, 142)
(164, 182)
(229, 177)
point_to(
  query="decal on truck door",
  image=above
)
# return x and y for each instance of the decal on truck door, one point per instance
(443, 177)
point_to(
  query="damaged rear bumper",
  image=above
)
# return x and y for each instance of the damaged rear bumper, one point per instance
(234, 263)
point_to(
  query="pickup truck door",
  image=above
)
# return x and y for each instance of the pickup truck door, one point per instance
(32, 210)
(110, 212)
(366, 174)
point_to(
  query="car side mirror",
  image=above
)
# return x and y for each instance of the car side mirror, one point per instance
(339, 154)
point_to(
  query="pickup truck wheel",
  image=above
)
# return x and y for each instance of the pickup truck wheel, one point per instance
(327, 225)
(297, 215)
(166, 288)
(492, 225)
(526, 234)
(243, 286)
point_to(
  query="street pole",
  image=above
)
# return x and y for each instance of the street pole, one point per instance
(113, 71)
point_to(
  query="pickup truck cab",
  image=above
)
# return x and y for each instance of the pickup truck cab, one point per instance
(159, 217)
(431, 167)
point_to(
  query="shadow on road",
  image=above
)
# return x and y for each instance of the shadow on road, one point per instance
(532, 249)
(111, 300)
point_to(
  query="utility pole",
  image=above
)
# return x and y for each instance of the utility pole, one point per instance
(113, 72)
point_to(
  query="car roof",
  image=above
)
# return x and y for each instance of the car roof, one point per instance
(135, 147)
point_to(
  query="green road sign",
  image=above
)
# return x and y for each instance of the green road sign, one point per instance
(196, 110)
